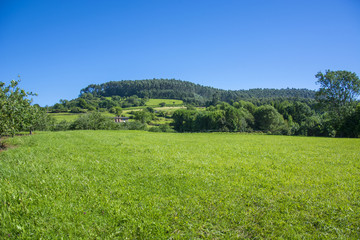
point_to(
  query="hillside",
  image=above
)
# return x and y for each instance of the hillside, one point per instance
(187, 91)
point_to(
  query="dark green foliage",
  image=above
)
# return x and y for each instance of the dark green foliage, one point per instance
(337, 95)
(116, 111)
(338, 89)
(82, 103)
(145, 116)
(92, 121)
(62, 126)
(267, 118)
(92, 103)
(16, 112)
(41, 120)
(77, 110)
(161, 128)
(58, 108)
(350, 127)
(223, 117)
(132, 126)
(184, 120)
(186, 91)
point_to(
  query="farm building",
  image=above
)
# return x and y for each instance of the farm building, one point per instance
(121, 119)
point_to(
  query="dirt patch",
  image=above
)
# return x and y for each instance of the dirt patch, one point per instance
(4, 146)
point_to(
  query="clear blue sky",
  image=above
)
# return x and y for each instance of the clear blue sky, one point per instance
(60, 47)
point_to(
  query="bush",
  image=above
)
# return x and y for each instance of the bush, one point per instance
(161, 128)
(136, 125)
(155, 129)
(93, 121)
(268, 119)
(62, 126)
(77, 110)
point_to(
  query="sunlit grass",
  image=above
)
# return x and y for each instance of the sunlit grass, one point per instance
(168, 102)
(126, 184)
(65, 116)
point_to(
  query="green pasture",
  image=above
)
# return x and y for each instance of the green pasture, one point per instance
(169, 102)
(65, 116)
(142, 185)
(73, 116)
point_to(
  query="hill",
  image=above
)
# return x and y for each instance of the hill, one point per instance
(187, 91)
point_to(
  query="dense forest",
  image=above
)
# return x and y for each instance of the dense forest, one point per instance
(187, 91)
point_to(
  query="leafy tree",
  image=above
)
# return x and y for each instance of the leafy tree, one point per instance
(40, 120)
(338, 88)
(16, 112)
(118, 111)
(183, 120)
(92, 121)
(82, 103)
(150, 109)
(267, 118)
(337, 94)
(351, 125)
(144, 116)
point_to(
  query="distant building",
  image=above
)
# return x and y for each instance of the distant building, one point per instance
(121, 119)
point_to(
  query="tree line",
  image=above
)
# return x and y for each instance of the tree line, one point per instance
(335, 112)
(89, 102)
(188, 92)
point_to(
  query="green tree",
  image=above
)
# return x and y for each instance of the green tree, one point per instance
(144, 116)
(16, 112)
(267, 118)
(337, 94)
(92, 121)
(118, 111)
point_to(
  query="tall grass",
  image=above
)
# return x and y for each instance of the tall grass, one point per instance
(141, 185)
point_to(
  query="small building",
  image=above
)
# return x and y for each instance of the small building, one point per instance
(121, 119)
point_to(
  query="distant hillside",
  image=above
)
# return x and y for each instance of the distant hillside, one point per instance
(187, 91)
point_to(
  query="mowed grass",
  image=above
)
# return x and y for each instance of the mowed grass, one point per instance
(73, 116)
(65, 116)
(142, 185)
(169, 102)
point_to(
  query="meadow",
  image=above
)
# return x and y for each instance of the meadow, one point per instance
(168, 102)
(143, 185)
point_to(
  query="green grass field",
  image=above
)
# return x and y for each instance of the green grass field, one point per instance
(142, 185)
(73, 116)
(65, 116)
(169, 102)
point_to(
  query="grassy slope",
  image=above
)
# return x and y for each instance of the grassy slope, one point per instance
(65, 116)
(113, 184)
(169, 102)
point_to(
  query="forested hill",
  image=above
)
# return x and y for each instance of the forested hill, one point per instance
(187, 91)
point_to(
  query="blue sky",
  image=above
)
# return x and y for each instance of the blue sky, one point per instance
(60, 47)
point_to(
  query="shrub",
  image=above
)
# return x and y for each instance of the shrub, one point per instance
(92, 121)
(62, 126)
(161, 128)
